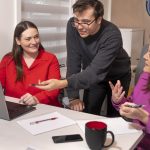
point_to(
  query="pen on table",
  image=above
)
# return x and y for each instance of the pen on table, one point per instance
(135, 106)
(39, 121)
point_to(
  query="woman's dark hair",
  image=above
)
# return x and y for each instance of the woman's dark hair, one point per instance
(17, 50)
(81, 5)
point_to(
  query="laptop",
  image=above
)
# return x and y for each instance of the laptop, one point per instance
(10, 110)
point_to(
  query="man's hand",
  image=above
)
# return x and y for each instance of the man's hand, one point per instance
(76, 105)
(51, 84)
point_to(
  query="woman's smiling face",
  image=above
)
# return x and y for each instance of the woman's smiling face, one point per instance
(29, 41)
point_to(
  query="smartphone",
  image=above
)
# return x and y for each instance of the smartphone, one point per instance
(67, 138)
(35, 84)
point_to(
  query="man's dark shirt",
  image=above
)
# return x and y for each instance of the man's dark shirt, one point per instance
(95, 59)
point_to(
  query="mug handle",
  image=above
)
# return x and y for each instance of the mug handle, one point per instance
(113, 138)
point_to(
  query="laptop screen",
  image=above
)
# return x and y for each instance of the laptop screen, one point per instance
(11, 110)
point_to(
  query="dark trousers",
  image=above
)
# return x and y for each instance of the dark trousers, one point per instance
(94, 96)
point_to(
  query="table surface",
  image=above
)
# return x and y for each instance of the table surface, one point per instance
(14, 137)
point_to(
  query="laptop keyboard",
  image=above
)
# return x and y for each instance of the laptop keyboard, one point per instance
(15, 109)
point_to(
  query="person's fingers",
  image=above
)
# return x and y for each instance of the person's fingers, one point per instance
(118, 83)
(27, 99)
(39, 81)
(43, 87)
(111, 85)
(114, 90)
(31, 102)
(74, 107)
(24, 98)
(71, 106)
(81, 106)
(119, 92)
(124, 111)
(45, 82)
(77, 106)
(122, 95)
(116, 87)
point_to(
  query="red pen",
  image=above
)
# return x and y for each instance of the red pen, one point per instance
(39, 121)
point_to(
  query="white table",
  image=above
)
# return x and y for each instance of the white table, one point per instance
(14, 137)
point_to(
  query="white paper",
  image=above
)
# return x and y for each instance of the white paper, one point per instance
(31, 148)
(37, 128)
(116, 125)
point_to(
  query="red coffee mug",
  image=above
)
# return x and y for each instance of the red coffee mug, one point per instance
(95, 135)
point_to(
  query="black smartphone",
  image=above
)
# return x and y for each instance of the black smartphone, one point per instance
(67, 138)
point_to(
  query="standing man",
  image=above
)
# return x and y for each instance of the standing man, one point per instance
(94, 56)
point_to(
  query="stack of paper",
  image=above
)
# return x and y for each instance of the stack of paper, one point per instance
(116, 125)
(45, 123)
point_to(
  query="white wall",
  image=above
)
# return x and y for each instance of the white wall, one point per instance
(9, 16)
(107, 9)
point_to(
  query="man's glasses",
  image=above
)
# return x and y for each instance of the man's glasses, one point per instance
(83, 24)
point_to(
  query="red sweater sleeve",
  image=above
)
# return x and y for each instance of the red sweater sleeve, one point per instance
(3, 65)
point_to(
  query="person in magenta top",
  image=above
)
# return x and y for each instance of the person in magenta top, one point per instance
(140, 96)
(27, 64)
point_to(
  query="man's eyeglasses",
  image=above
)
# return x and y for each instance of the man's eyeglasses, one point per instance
(83, 24)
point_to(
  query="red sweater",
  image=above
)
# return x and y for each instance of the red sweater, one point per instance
(44, 67)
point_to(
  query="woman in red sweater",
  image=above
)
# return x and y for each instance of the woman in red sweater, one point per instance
(26, 64)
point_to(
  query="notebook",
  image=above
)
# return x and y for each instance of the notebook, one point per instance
(10, 110)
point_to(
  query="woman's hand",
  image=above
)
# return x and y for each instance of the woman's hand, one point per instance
(52, 84)
(134, 113)
(117, 93)
(28, 99)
